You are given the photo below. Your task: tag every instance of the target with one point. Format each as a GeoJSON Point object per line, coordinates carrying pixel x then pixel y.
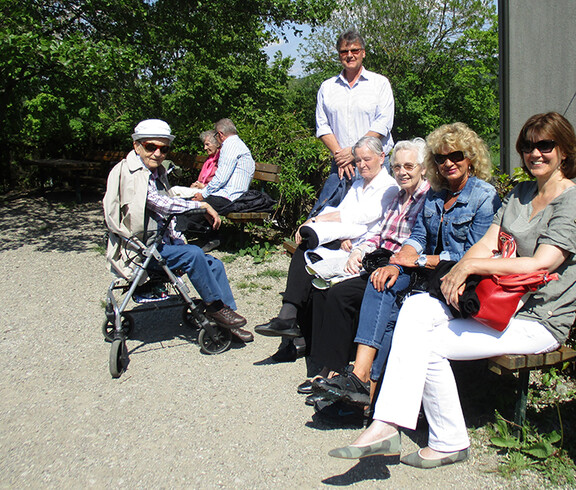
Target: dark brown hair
{"type": "Point", "coordinates": [555, 127]}
{"type": "Point", "coordinates": [349, 37]}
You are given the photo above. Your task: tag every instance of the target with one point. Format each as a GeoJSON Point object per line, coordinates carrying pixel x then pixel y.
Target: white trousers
{"type": "Point", "coordinates": [419, 372]}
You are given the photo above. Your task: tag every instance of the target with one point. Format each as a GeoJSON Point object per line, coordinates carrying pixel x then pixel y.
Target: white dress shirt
{"type": "Point", "coordinates": [350, 112]}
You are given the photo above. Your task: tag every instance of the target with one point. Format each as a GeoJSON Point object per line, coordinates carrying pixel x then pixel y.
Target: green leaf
{"type": "Point", "coordinates": [506, 442]}
{"type": "Point", "coordinates": [541, 450]}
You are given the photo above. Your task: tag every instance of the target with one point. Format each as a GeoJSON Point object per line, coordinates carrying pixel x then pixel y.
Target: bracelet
{"type": "Point", "coordinates": [399, 267]}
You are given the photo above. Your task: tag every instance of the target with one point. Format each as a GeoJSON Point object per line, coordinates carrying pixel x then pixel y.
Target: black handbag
{"type": "Point", "coordinates": [374, 260]}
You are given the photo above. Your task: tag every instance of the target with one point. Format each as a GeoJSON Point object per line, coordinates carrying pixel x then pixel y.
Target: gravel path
{"type": "Point", "coordinates": [176, 418]}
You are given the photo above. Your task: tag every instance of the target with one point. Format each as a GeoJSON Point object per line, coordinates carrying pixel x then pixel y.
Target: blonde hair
{"type": "Point", "coordinates": [457, 137]}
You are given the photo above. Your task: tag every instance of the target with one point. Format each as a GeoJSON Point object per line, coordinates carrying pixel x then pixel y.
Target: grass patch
{"type": "Point", "coordinates": [248, 285]}
{"type": "Point", "coordinates": [228, 259]}
{"type": "Point", "coordinates": [99, 249]}
{"type": "Point", "coordinates": [273, 273]}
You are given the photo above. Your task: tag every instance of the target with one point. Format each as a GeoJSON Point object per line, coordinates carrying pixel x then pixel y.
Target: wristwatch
{"type": "Point", "coordinates": [421, 261]}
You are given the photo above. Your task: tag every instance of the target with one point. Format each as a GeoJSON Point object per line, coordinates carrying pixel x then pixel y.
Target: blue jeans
{"type": "Point", "coordinates": [205, 272]}
{"type": "Point", "coordinates": [377, 319]}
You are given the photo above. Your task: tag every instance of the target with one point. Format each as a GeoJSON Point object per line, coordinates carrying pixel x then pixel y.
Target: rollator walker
{"type": "Point", "coordinates": [119, 321]}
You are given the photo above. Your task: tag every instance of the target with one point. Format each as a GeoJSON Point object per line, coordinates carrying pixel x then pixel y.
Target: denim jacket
{"type": "Point", "coordinates": [463, 224]}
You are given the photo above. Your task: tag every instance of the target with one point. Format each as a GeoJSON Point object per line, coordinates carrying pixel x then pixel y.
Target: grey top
{"type": "Point", "coordinates": [554, 304]}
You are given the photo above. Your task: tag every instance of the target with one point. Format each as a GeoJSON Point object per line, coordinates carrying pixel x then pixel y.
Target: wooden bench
{"type": "Point", "coordinates": [522, 365]}
{"type": "Point", "coordinates": [80, 171]}
{"type": "Point", "coordinates": [264, 172]}
{"type": "Point", "coordinates": [88, 170]}
{"type": "Point", "coordinates": [290, 246]}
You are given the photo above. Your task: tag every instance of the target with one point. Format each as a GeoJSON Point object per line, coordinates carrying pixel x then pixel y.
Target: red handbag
{"type": "Point", "coordinates": [500, 296]}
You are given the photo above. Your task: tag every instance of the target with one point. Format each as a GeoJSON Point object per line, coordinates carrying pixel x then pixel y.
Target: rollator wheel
{"type": "Point", "coordinates": [118, 358]}
{"type": "Point", "coordinates": [221, 343]}
{"type": "Point", "coordinates": [108, 328]}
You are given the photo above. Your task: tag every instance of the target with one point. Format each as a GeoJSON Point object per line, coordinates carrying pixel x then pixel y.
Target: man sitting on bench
{"type": "Point", "coordinates": [232, 178]}
{"type": "Point", "coordinates": [137, 199]}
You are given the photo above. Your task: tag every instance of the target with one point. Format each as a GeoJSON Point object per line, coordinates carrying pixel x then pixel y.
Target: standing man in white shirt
{"type": "Point", "coordinates": [354, 104]}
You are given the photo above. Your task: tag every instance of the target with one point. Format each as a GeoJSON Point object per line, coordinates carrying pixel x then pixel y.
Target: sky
{"type": "Point", "coordinates": [290, 48]}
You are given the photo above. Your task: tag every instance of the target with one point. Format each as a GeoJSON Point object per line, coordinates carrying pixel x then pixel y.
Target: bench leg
{"type": "Point", "coordinates": [521, 401]}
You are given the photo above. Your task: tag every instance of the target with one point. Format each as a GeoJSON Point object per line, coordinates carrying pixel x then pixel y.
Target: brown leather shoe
{"type": "Point", "coordinates": [227, 318]}
{"type": "Point", "coordinates": [244, 335]}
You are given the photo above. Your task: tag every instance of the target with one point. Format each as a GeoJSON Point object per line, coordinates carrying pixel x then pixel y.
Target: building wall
{"type": "Point", "coordinates": [537, 65]}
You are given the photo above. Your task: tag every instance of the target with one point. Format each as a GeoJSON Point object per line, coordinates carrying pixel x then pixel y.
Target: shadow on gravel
{"type": "Point", "coordinates": [370, 468]}
{"type": "Point", "coordinates": [52, 222]}
{"type": "Point", "coordinates": [163, 328]}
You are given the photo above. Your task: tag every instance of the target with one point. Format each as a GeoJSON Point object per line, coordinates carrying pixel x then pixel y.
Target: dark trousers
{"type": "Point", "coordinates": [199, 223]}
{"type": "Point", "coordinates": [298, 289]}
{"type": "Point", "coordinates": [334, 316]}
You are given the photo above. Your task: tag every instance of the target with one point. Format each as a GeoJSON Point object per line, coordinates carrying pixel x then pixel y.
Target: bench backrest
{"type": "Point", "coordinates": [264, 171]}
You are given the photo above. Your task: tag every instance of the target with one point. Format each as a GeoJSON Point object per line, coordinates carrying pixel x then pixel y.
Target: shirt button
{"type": "Point", "coordinates": [549, 313]}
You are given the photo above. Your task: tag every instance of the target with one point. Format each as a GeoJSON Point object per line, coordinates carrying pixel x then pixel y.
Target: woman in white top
{"type": "Point", "coordinates": [363, 206]}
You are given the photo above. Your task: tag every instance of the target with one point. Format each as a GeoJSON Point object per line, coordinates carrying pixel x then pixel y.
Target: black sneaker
{"type": "Point", "coordinates": [346, 387]}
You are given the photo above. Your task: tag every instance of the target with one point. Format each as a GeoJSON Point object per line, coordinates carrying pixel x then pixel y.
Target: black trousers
{"type": "Point", "coordinates": [199, 223]}
{"type": "Point", "coordinates": [335, 321]}
{"type": "Point", "coordinates": [298, 290]}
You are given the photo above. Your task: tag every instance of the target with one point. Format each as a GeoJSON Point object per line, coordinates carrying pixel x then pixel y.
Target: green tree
{"type": "Point", "coordinates": [77, 73]}
{"type": "Point", "coordinates": [441, 57]}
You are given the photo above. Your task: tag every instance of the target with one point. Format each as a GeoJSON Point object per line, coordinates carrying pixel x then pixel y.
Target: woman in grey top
{"type": "Point", "coordinates": [540, 216]}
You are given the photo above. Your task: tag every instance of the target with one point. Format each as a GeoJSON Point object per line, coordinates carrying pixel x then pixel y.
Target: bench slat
{"type": "Point", "coordinates": [266, 176]}
{"type": "Point", "coordinates": [515, 362]}
{"type": "Point", "coordinates": [290, 246]}
{"type": "Point", "coordinates": [65, 164]}
{"type": "Point", "coordinates": [246, 217]}
{"type": "Point", "coordinates": [534, 360]}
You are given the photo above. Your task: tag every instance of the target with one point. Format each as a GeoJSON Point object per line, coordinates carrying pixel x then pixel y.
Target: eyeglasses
{"type": "Point", "coordinates": [353, 52]}
{"type": "Point", "coordinates": [454, 157]}
{"type": "Point", "coordinates": [543, 146]}
{"type": "Point", "coordinates": [151, 148]}
{"type": "Point", "coordinates": [407, 166]}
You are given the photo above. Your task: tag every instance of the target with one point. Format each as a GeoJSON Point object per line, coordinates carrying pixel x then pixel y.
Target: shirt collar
{"type": "Point", "coordinates": [382, 175]}
{"type": "Point", "coordinates": [422, 189]}
{"type": "Point", "coordinates": [364, 75]}
{"type": "Point", "coordinates": [418, 193]}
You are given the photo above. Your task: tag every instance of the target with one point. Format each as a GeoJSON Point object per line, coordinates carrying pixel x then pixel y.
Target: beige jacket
{"type": "Point", "coordinates": [125, 213]}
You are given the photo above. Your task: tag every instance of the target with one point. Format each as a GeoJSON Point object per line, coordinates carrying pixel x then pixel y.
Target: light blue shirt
{"type": "Point", "coordinates": [350, 112]}
{"type": "Point", "coordinates": [235, 170]}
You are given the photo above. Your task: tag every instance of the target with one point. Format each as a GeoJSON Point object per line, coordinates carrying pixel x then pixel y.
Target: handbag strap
{"type": "Point", "coordinates": [531, 279]}
{"type": "Point", "coordinates": [506, 245]}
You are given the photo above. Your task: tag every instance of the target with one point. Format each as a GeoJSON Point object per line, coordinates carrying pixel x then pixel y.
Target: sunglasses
{"type": "Point", "coordinates": [151, 148]}
{"type": "Point", "coordinates": [353, 52]}
{"type": "Point", "coordinates": [407, 166]}
{"type": "Point", "coordinates": [543, 146]}
{"type": "Point", "coordinates": [454, 157]}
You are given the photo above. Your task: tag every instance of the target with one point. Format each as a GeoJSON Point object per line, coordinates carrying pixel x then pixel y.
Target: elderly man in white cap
{"type": "Point", "coordinates": [137, 199]}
